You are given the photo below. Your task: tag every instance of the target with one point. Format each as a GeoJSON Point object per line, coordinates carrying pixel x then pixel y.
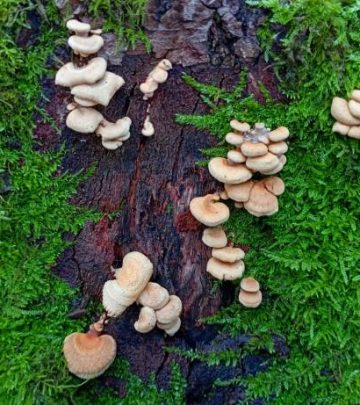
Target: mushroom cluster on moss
{"type": "Point", "coordinates": [91, 85]}
{"type": "Point", "coordinates": [250, 295]}
{"type": "Point", "coordinates": [347, 115]}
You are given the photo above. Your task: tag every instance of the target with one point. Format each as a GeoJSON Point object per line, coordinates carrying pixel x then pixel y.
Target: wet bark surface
{"type": "Point", "coordinates": [144, 188]}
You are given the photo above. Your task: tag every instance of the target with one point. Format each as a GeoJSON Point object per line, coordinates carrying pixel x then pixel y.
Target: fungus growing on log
{"type": "Point", "coordinates": [214, 237]}
{"type": "Point", "coordinates": [154, 296]}
{"type": "Point", "coordinates": [146, 321]}
{"type": "Point", "coordinates": [157, 76]}
{"type": "Point", "coordinates": [347, 115]}
{"type": "Point", "coordinates": [250, 295]}
{"type": "Point", "coordinates": [84, 120]}
{"type": "Point", "coordinates": [208, 210]}
{"type": "Point", "coordinates": [171, 311]}
{"type": "Point", "coordinates": [85, 46]}
{"type": "Point", "coordinates": [225, 270]}
{"type": "Point", "coordinates": [148, 128]}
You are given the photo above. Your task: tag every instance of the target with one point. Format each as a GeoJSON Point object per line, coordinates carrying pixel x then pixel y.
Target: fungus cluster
{"type": "Point", "coordinates": [250, 295]}
{"type": "Point", "coordinates": [91, 85]}
{"type": "Point", "coordinates": [347, 115]}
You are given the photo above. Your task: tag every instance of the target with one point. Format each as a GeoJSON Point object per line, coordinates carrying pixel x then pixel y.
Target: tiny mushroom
{"type": "Point", "coordinates": [225, 270]}
{"type": "Point", "coordinates": [250, 149]}
{"type": "Point", "coordinates": [279, 134]}
{"type": "Point", "coordinates": [80, 28]}
{"type": "Point", "coordinates": [341, 112]}
{"type": "Point", "coordinates": [214, 237]}
{"type": "Point", "coordinates": [85, 46]}
{"type": "Point", "coordinates": [208, 210]}
{"type": "Point", "coordinates": [235, 156]}
{"type": "Point", "coordinates": [119, 130]}
{"type": "Point", "coordinates": [112, 299]}
{"type": "Point", "coordinates": [354, 132]}
{"type": "Point", "coordinates": [341, 128]}
{"type": "Point", "coordinates": [250, 295]}
{"type": "Point", "coordinates": [84, 120]}
{"type": "Point", "coordinates": [239, 192]}
{"type": "Point", "coordinates": [154, 296]}
{"type": "Point", "coordinates": [240, 126]}
{"type": "Point", "coordinates": [228, 254]}
{"type": "Point", "coordinates": [278, 148]}
{"type": "Point", "coordinates": [148, 128]}
{"type": "Point", "coordinates": [225, 172]}
{"type": "Point", "coordinates": [148, 88]}
{"type": "Point", "coordinates": [170, 328]}
{"type": "Point", "coordinates": [234, 139]}
{"type": "Point", "coordinates": [275, 185]}
{"type": "Point", "coordinates": [170, 311]}
{"type": "Point", "coordinates": [146, 321]}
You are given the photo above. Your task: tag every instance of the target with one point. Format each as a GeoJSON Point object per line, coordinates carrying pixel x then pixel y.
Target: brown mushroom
{"type": "Point", "coordinates": [240, 126]}
{"type": "Point", "coordinates": [250, 300]}
{"type": "Point", "coordinates": [279, 134]}
{"type": "Point", "coordinates": [234, 139]}
{"type": "Point", "coordinates": [275, 185]}
{"type": "Point", "coordinates": [249, 284]}
{"type": "Point", "coordinates": [208, 210]}
{"type": "Point", "coordinates": [278, 148]}
{"type": "Point", "coordinates": [236, 156]}
{"type": "Point", "coordinates": [340, 128]}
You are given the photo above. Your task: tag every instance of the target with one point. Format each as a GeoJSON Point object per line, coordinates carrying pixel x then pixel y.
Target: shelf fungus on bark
{"type": "Point", "coordinates": [89, 354]}
{"type": "Point", "coordinates": [85, 45]}
{"type": "Point", "coordinates": [214, 237]}
{"type": "Point", "coordinates": [148, 127]}
{"type": "Point", "coordinates": [223, 270]}
{"type": "Point", "coordinates": [347, 115]}
{"type": "Point", "coordinates": [154, 296]}
{"type": "Point", "coordinates": [146, 321]}
{"type": "Point", "coordinates": [114, 134]}
{"type": "Point", "coordinates": [209, 211]}
{"type": "Point", "coordinates": [157, 76]}
{"type": "Point", "coordinates": [250, 295]}
{"type": "Point", "coordinates": [84, 120]}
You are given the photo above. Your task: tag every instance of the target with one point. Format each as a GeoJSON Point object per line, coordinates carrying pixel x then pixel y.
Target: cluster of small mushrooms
{"type": "Point", "coordinates": [90, 354]}
{"type": "Point", "coordinates": [256, 150]}
{"type": "Point", "coordinates": [91, 85]}
{"type": "Point", "coordinates": [347, 115]}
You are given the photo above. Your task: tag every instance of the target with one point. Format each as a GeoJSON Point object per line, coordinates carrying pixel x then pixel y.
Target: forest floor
{"type": "Point", "coordinates": [306, 257]}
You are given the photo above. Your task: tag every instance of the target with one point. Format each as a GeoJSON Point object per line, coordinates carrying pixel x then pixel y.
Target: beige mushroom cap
{"type": "Point", "coordinates": [159, 75]}
{"type": "Point", "coordinates": [278, 148]}
{"type": "Point", "coordinates": [275, 185]}
{"type": "Point", "coordinates": [278, 168]}
{"type": "Point", "coordinates": [250, 300]}
{"type": "Point", "coordinates": [154, 296]}
{"type": "Point", "coordinates": [234, 139]}
{"type": "Point", "coordinates": [225, 271]}
{"type": "Point", "coordinates": [208, 210]}
{"type": "Point", "coordinates": [340, 111]}
{"type": "Point", "coordinates": [148, 128]}
{"type": "Point", "coordinates": [239, 192]}
{"type": "Point", "coordinates": [354, 107]}
{"type": "Point", "coordinates": [170, 311]}
{"type": "Point", "coordinates": [279, 134]}
{"type": "Point", "coordinates": [263, 163]}
{"type": "Point", "coordinates": [355, 95]}
{"type": "Point", "coordinates": [240, 126]}
{"type": "Point", "coordinates": [84, 103]}
{"type": "Point", "coordinates": [149, 86]}
{"type": "Point", "coordinates": [112, 299]}
{"type": "Point", "coordinates": [80, 28]}
{"type": "Point", "coordinates": [228, 254]}
{"type": "Point", "coordinates": [146, 321]}
{"type": "Point", "coordinates": [170, 328]}
{"type": "Point", "coordinates": [354, 132]}
{"type": "Point", "coordinates": [84, 120]}
{"type": "Point", "coordinates": [165, 64]}
{"type": "Point", "coordinates": [85, 46]}
{"type": "Point", "coordinates": [87, 354]}
{"type": "Point", "coordinates": [214, 237]}
{"type": "Point", "coordinates": [261, 201]}
{"type": "Point", "coordinates": [340, 128]}
{"type": "Point", "coordinates": [250, 149]}
{"type": "Point", "coordinates": [249, 284]}
{"type": "Point", "coordinates": [225, 172]}
{"type": "Point", "coordinates": [69, 75]}
{"type": "Point", "coordinates": [113, 144]}
{"type": "Point", "coordinates": [114, 131]}
{"type": "Point", "coordinates": [236, 156]}
{"type": "Point", "coordinates": [100, 92]}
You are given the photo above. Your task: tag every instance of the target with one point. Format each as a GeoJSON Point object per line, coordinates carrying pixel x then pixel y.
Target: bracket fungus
{"type": "Point", "coordinates": [84, 120]}
{"type": "Point", "coordinates": [228, 254]}
{"type": "Point", "coordinates": [208, 210]}
{"type": "Point", "coordinates": [89, 354]}
{"type": "Point", "coordinates": [171, 311]}
{"type": "Point", "coordinates": [79, 28]}
{"type": "Point", "coordinates": [154, 296]}
{"type": "Point", "coordinates": [170, 328]}
{"type": "Point", "coordinates": [146, 321]}
{"type": "Point", "coordinates": [228, 172]}
{"type": "Point", "coordinates": [157, 76]}
{"type": "Point", "coordinates": [347, 115]}
{"type": "Point", "coordinates": [114, 134]}
{"type": "Point", "coordinates": [85, 46]}
{"type": "Point", "coordinates": [214, 237]}
{"type": "Point", "coordinates": [225, 270]}
{"type": "Point", "coordinates": [250, 295]}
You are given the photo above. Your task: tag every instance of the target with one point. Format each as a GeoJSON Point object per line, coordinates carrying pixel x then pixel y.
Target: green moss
{"type": "Point", "coordinates": [307, 256]}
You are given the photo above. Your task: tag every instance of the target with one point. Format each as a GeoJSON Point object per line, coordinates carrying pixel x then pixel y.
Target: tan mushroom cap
{"type": "Point", "coordinates": [225, 271]}
{"type": "Point", "coordinates": [170, 328]}
{"type": "Point", "coordinates": [170, 311]}
{"type": "Point", "coordinates": [278, 148]}
{"type": "Point", "coordinates": [80, 28]}
{"type": "Point", "coordinates": [236, 156]}
{"type": "Point", "coordinates": [148, 128]}
{"type": "Point", "coordinates": [251, 149]}
{"type": "Point", "coordinates": [154, 296]}
{"type": "Point", "coordinates": [354, 107]}
{"type": "Point", "coordinates": [225, 172]}
{"type": "Point", "coordinates": [159, 75]}
{"type": "Point", "coordinates": [149, 86]}
{"type": "Point", "coordinates": [228, 254]}
{"type": "Point", "coordinates": [84, 103]}
{"type": "Point", "coordinates": [208, 210]}
{"type": "Point", "coordinates": [278, 168]}
{"type": "Point", "coordinates": [84, 120]}
{"type": "Point", "coordinates": [146, 321]}
{"type": "Point", "coordinates": [354, 132]}
{"type": "Point", "coordinates": [113, 144]}
{"type": "Point", "coordinates": [165, 64]}
{"type": "Point", "coordinates": [279, 134]}
{"type": "Point", "coordinates": [69, 75]}
{"type": "Point", "coordinates": [263, 163]}
{"type": "Point", "coordinates": [340, 128]}
{"type": "Point", "coordinates": [261, 201]}
{"type": "Point", "coordinates": [114, 131]}
{"type": "Point", "coordinates": [112, 299]}
{"type": "Point", "coordinates": [250, 300]}
{"type": "Point", "coordinates": [239, 192]}
{"type": "Point", "coordinates": [249, 284]}
{"type": "Point", "coordinates": [340, 111]}
{"type": "Point", "coordinates": [85, 46]}
{"type": "Point", "coordinates": [275, 185]}
{"type": "Point", "coordinates": [240, 126]}
{"type": "Point", "coordinates": [355, 95]}
{"type": "Point", "coordinates": [234, 139]}
{"type": "Point", "coordinates": [87, 354]}
{"type": "Point", "coordinates": [223, 195]}
{"type": "Point", "coordinates": [100, 92]}
{"type": "Point", "coordinates": [214, 237]}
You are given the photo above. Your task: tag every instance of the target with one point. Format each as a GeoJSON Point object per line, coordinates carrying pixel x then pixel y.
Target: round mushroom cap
{"type": "Point", "coordinates": [85, 46]}
{"type": "Point", "coordinates": [279, 134]}
{"type": "Point", "coordinates": [261, 201]}
{"type": "Point", "coordinates": [214, 237]}
{"type": "Point", "coordinates": [250, 300]}
{"type": "Point", "coordinates": [146, 321]}
{"type": "Point", "coordinates": [165, 64]}
{"type": "Point", "coordinates": [149, 86]}
{"type": "Point", "coordinates": [249, 284]}
{"type": "Point", "coordinates": [84, 103]}
{"type": "Point", "coordinates": [354, 107]}
{"type": "Point", "coordinates": [110, 131]}
{"type": "Point", "coordinates": [340, 128]}
{"type": "Point", "coordinates": [148, 128]}
{"type": "Point", "coordinates": [70, 75]}
{"type": "Point", "coordinates": [341, 112]}
{"type": "Point", "coordinates": [84, 120]}
{"type": "Point", "coordinates": [354, 132]}
{"type": "Point", "coordinates": [240, 126]}
{"type": "Point", "coordinates": [278, 148]}
{"type": "Point", "coordinates": [225, 172]}
{"type": "Point", "coordinates": [159, 75]}
{"type": "Point", "coordinates": [113, 299]}
{"type": "Point", "coordinates": [80, 28]}
{"type": "Point", "coordinates": [102, 91]}
{"type": "Point", "coordinates": [225, 271]}
{"type": "Point", "coordinates": [228, 254]}
{"type": "Point", "coordinates": [355, 95]}
{"type": "Point", "coordinates": [113, 144]}
{"type": "Point", "coordinates": [275, 185]}
{"type": "Point", "coordinates": [251, 149]}
{"type": "Point", "coordinates": [278, 168]}
{"type": "Point", "coordinates": [236, 156]}
{"type": "Point", "coordinates": [239, 192]}
{"type": "Point", "coordinates": [171, 328]}
{"type": "Point", "coordinates": [87, 354]}
{"type": "Point", "coordinates": [234, 139]}
{"type": "Point", "coordinates": [208, 210]}
{"type": "Point", "coordinates": [170, 311]}
{"type": "Point", "coordinates": [263, 163]}
{"type": "Point", "coordinates": [154, 296]}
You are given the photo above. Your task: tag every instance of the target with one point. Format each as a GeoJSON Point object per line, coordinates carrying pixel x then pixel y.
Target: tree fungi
{"type": "Point", "coordinates": [347, 115]}
{"type": "Point", "coordinates": [223, 270]}
{"type": "Point", "coordinates": [157, 76]}
{"type": "Point", "coordinates": [208, 210]}
{"type": "Point", "coordinates": [154, 296]}
{"type": "Point", "coordinates": [214, 237]}
{"type": "Point", "coordinates": [146, 321]}
{"type": "Point", "coordinates": [250, 295]}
